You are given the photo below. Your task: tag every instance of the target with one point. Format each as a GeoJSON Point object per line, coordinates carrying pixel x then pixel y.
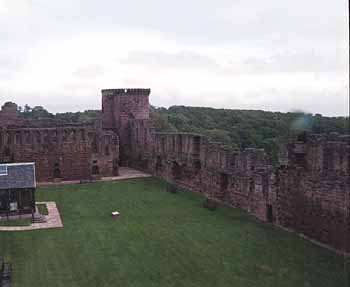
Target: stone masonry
{"type": "Point", "coordinates": [61, 152]}
{"type": "Point", "coordinates": [309, 192]}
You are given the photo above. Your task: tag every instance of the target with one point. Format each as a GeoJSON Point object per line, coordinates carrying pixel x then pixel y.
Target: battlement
{"type": "Point", "coordinates": [126, 92]}
{"type": "Point", "coordinates": [320, 154]}
{"type": "Point", "coordinates": [68, 153]}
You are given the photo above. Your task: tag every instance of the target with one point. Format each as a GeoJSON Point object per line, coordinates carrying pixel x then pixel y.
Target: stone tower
{"type": "Point", "coordinates": [9, 115]}
{"type": "Point", "coordinates": [119, 107]}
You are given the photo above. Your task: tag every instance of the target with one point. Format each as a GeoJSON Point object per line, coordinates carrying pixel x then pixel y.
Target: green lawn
{"type": "Point", "coordinates": [42, 209]}
{"type": "Point", "coordinates": [161, 239]}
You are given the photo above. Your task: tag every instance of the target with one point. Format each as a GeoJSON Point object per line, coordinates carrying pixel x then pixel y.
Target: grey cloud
{"type": "Point", "coordinates": [91, 71]}
{"type": "Point", "coordinates": [196, 21]}
{"type": "Point", "coordinates": [295, 62]}
{"type": "Point", "coordinates": [185, 59]}
{"type": "Point", "coordinates": [77, 100]}
{"type": "Point", "coordinates": [286, 37]}
{"type": "Point", "coordinates": [283, 62]}
{"type": "Point", "coordinates": [9, 65]}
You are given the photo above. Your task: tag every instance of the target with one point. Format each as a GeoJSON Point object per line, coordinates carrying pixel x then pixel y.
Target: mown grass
{"type": "Point", "coordinates": [160, 239]}
{"type": "Point", "coordinates": [42, 208]}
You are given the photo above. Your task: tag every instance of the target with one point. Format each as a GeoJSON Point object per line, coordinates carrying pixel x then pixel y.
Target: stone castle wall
{"type": "Point", "coordinates": [238, 178]}
{"type": "Point", "coordinates": [60, 153]}
{"type": "Point", "coordinates": [308, 193]}
{"type": "Point", "coordinates": [313, 195]}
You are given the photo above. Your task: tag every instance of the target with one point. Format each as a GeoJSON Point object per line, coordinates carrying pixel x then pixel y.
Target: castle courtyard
{"type": "Point", "coordinates": [160, 239]}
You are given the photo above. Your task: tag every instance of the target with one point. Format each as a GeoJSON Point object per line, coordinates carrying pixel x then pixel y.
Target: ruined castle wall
{"type": "Point", "coordinates": [237, 178]}
{"type": "Point", "coordinates": [308, 193]}
{"type": "Point", "coordinates": [250, 182]}
{"type": "Point", "coordinates": [61, 153]}
{"type": "Point", "coordinates": [313, 189]}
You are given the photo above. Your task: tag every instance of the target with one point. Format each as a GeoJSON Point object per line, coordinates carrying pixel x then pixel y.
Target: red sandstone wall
{"type": "Point", "coordinates": [121, 105]}
{"type": "Point", "coordinates": [9, 116]}
{"type": "Point", "coordinates": [119, 108]}
{"type": "Point", "coordinates": [312, 195]}
{"type": "Point", "coordinates": [308, 194]}
{"type": "Point", "coordinates": [66, 153]}
{"type": "Point", "coordinates": [238, 178]}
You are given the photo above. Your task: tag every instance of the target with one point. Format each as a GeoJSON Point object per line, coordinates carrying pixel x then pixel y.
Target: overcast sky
{"type": "Point", "coordinates": [278, 55]}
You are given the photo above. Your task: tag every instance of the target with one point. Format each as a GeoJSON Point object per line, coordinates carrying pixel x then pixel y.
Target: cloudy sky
{"type": "Point", "coordinates": [278, 55]}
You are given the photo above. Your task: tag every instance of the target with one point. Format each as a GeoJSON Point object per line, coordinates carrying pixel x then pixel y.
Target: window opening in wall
{"type": "Point", "coordinates": [176, 170]}
{"type": "Point", "coordinates": [18, 138]}
{"type": "Point", "coordinates": [251, 185]}
{"type": "Point", "coordinates": [197, 166]}
{"type": "Point", "coordinates": [38, 138]}
{"type": "Point", "coordinates": [27, 137]}
{"type": "Point", "coordinates": [82, 135]}
{"type": "Point", "coordinates": [159, 163]}
{"type": "Point", "coordinates": [8, 139]}
{"type": "Point", "coordinates": [269, 213]}
{"type": "Point", "coordinates": [95, 170]}
{"type": "Point", "coordinates": [57, 173]}
{"type": "Point", "coordinates": [116, 166]}
{"type": "Point", "coordinates": [223, 181]}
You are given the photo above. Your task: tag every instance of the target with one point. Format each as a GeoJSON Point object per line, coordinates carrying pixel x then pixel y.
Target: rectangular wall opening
{"type": "Point", "coordinates": [269, 213]}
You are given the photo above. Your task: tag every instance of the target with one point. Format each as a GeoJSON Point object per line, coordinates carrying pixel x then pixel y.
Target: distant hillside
{"type": "Point", "coordinates": [245, 128]}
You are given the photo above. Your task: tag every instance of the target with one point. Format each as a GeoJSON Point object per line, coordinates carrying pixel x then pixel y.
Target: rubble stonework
{"type": "Point", "coordinates": [313, 195]}
{"type": "Point", "coordinates": [9, 115]}
{"type": "Point", "coordinates": [118, 107]}
{"type": "Point", "coordinates": [60, 153]}
{"type": "Point", "coordinates": [307, 193]}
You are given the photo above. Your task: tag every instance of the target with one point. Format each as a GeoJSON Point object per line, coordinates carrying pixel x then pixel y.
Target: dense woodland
{"type": "Point", "coordinates": [235, 128]}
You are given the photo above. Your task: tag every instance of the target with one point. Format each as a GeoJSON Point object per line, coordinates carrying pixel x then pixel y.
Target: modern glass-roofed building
{"type": "Point", "coordinates": [17, 189]}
